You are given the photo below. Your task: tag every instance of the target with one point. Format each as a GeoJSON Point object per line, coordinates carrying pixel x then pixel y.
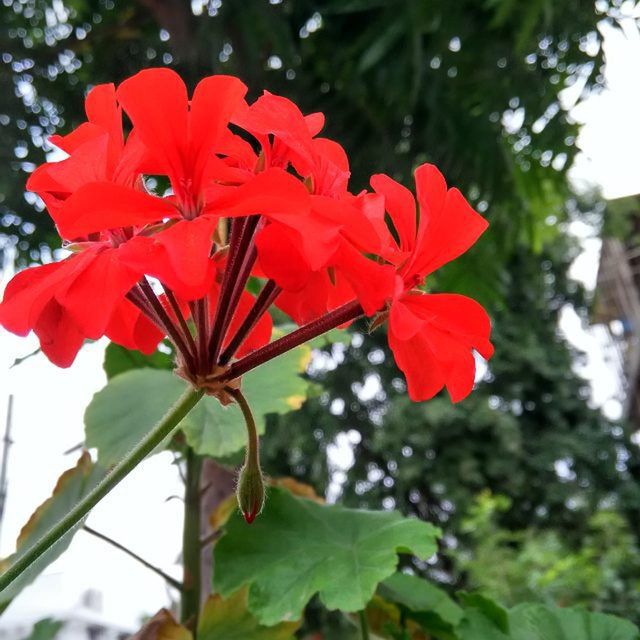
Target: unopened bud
{"type": "Point", "coordinates": [250, 491]}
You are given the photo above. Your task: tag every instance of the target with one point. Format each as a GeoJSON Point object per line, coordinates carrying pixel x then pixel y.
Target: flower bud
{"type": "Point", "coordinates": [250, 491]}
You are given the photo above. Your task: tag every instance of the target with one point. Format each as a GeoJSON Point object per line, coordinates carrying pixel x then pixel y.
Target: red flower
{"type": "Point", "coordinates": [181, 138]}
{"type": "Point", "coordinates": [80, 297]}
{"type": "Point", "coordinates": [328, 255]}
{"type": "Point", "coordinates": [432, 336]}
{"type": "Point", "coordinates": [83, 296]}
{"type": "Point", "coordinates": [334, 270]}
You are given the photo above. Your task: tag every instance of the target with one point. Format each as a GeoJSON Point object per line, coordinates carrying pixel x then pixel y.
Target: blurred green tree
{"type": "Point", "coordinates": [470, 85]}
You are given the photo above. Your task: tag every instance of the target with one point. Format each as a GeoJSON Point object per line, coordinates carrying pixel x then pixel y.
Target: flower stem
{"type": "Point", "coordinates": [160, 431]}
{"type": "Point", "coordinates": [239, 244]}
{"type": "Point", "coordinates": [267, 296]}
{"type": "Point", "coordinates": [173, 301]}
{"type": "Point", "coordinates": [169, 326]}
{"type": "Point", "coordinates": [253, 440]}
{"type": "Point", "coordinates": [191, 548]}
{"type": "Point", "coordinates": [176, 584]}
{"type": "Point", "coordinates": [345, 313]}
{"type": "Point", "coordinates": [364, 625]}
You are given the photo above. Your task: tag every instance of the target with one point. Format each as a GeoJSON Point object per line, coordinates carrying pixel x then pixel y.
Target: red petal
{"type": "Point", "coordinates": [214, 101]}
{"type": "Point", "coordinates": [272, 193]}
{"type": "Point", "coordinates": [103, 205]}
{"type": "Point", "coordinates": [445, 328]}
{"type": "Point", "coordinates": [156, 101]}
{"type": "Point", "coordinates": [130, 328]}
{"type": "Point", "coordinates": [462, 317]}
{"type": "Point", "coordinates": [60, 339]}
{"type": "Point", "coordinates": [309, 303]}
{"type": "Point", "coordinates": [448, 224]}
{"type": "Point", "coordinates": [403, 322]}
{"type": "Point", "coordinates": [30, 291]}
{"type": "Point", "coordinates": [314, 122]}
{"type": "Point", "coordinates": [456, 361]}
{"type": "Point", "coordinates": [103, 110]}
{"type": "Point", "coordinates": [94, 294]}
{"type": "Point", "coordinates": [372, 282]}
{"type": "Point", "coordinates": [281, 258]}
{"type": "Point", "coordinates": [422, 371]}
{"type": "Point", "coordinates": [177, 256]}
{"type": "Point", "coordinates": [72, 141]}
{"type": "Point", "coordinates": [400, 204]}
{"type": "Point", "coordinates": [88, 164]}
{"type": "Point", "coordinates": [271, 114]}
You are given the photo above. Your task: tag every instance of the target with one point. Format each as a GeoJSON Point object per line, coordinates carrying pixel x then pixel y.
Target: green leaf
{"type": "Point", "coordinates": [541, 622]}
{"type": "Point", "coordinates": [298, 548]}
{"type": "Point", "coordinates": [483, 619]}
{"type": "Point", "coordinates": [121, 413]}
{"type": "Point", "coordinates": [274, 387]}
{"type": "Point", "coordinates": [46, 629]}
{"type": "Point", "coordinates": [487, 607]}
{"type": "Point", "coordinates": [117, 360]}
{"type": "Point", "coordinates": [476, 626]}
{"type": "Point", "coordinates": [72, 485]}
{"type": "Point", "coordinates": [231, 620]}
{"type": "Point", "coordinates": [428, 605]}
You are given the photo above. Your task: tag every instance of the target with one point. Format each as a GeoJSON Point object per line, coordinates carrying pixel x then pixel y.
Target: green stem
{"type": "Point", "coordinates": [364, 626]}
{"type": "Point", "coordinates": [157, 570]}
{"type": "Point", "coordinates": [252, 456]}
{"type": "Point", "coordinates": [191, 548]}
{"type": "Point", "coordinates": [162, 430]}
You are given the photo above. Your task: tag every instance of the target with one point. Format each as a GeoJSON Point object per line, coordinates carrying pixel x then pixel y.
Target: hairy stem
{"type": "Point", "coordinates": [172, 331]}
{"type": "Point", "coordinates": [190, 603]}
{"type": "Point", "coordinates": [364, 625]}
{"type": "Point", "coordinates": [267, 296]}
{"type": "Point", "coordinates": [238, 248]}
{"type": "Point", "coordinates": [181, 320]}
{"type": "Point", "coordinates": [164, 428]}
{"type": "Point", "coordinates": [345, 313]}
{"type": "Point", "coordinates": [172, 581]}
{"type": "Point", "coordinates": [253, 440]}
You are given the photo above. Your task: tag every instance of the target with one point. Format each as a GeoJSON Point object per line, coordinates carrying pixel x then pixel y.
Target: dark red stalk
{"type": "Point", "coordinates": [345, 313]}
{"type": "Point", "coordinates": [172, 330]}
{"type": "Point", "coordinates": [238, 248]}
{"type": "Point", "coordinates": [238, 288]}
{"type": "Point", "coordinates": [267, 297]}
{"type": "Point", "coordinates": [202, 314]}
{"type": "Point", "coordinates": [137, 298]}
{"type": "Point", "coordinates": [186, 332]}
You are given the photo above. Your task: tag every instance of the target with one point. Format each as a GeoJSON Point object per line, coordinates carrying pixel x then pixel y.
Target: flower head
{"type": "Point", "coordinates": [166, 225]}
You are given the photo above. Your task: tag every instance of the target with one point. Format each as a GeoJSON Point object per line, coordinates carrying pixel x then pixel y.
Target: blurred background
{"type": "Point", "coordinates": [531, 109]}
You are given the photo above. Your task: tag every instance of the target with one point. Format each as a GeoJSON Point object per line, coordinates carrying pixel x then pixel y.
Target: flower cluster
{"type": "Point", "coordinates": [166, 225]}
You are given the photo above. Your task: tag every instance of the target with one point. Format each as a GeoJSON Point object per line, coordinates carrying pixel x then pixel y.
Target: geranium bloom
{"type": "Point", "coordinates": [83, 296]}
{"type": "Point", "coordinates": [432, 336]}
{"type": "Point", "coordinates": [241, 191]}
{"type": "Point", "coordinates": [314, 283]}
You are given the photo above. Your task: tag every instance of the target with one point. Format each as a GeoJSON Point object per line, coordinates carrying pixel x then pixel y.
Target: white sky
{"type": "Point", "coordinates": [49, 402]}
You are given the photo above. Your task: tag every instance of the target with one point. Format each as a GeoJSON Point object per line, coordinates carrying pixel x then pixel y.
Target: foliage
{"type": "Point", "coordinates": [46, 629]}
{"type": "Point", "coordinates": [72, 485]}
{"type": "Point", "coordinates": [422, 80]}
{"type": "Point", "coordinates": [527, 431]}
{"type": "Point", "coordinates": [133, 401]}
{"type": "Point", "coordinates": [221, 618]}
{"type": "Point", "coordinates": [298, 548]}
{"type": "Point", "coordinates": [516, 566]}
{"type": "Point", "coordinates": [230, 619]}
